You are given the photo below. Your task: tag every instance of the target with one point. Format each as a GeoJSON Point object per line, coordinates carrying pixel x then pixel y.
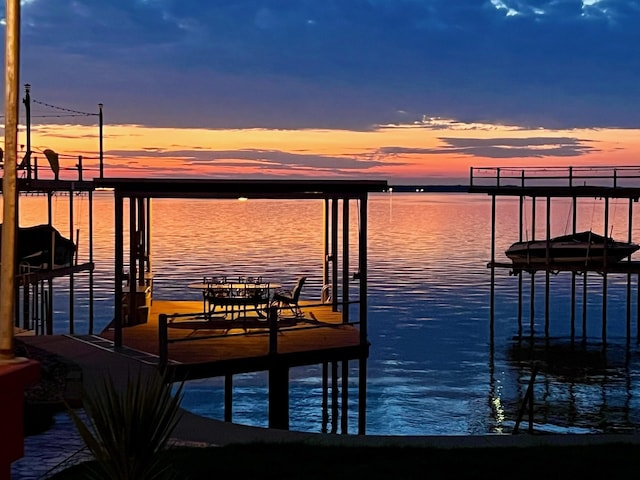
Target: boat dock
{"type": "Point", "coordinates": [546, 184]}
{"type": "Point", "coordinates": [177, 336]}
{"type": "Point", "coordinates": [197, 348]}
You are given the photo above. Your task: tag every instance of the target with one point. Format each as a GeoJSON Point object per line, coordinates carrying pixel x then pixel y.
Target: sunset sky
{"type": "Point", "coordinates": [409, 91]}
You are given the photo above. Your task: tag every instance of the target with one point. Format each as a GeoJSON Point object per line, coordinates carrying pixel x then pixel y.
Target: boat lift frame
{"type": "Point", "coordinates": [561, 182]}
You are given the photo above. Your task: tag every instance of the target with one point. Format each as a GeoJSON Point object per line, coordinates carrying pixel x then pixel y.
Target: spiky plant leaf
{"type": "Point", "coordinates": [128, 429]}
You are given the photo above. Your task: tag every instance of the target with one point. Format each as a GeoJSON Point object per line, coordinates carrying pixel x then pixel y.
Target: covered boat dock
{"type": "Point", "coordinates": [176, 335]}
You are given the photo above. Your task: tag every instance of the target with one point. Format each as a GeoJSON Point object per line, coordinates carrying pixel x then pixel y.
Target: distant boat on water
{"type": "Point", "coordinates": [35, 246]}
{"type": "Point", "coordinates": [584, 248]}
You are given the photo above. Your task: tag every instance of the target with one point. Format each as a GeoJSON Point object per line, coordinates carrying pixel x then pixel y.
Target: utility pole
{"type": "Point", "coordinates": [9, 182]}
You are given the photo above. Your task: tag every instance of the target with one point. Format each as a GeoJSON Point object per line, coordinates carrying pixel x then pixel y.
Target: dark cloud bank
{"type": "Point", "coordinates": [345, 64]}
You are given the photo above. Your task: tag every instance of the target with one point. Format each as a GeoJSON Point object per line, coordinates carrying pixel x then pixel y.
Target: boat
{"type": "Point", "coordinates": [582, 248]}
{"type": "Point", "coordinates": [35, 245]}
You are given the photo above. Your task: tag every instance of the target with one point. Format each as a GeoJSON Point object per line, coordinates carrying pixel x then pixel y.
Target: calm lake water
{"type": "Point", "coordinates": [434, 367]}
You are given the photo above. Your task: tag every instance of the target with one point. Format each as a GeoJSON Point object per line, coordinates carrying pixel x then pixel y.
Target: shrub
{"type": "Point", "coordinates": [128, 429]}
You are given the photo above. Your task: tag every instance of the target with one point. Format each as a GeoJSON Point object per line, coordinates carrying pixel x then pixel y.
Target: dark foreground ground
{"type": "Point", "coordinates": [61, 380]}
{"type": "Point", "coordinates": [308, 462]}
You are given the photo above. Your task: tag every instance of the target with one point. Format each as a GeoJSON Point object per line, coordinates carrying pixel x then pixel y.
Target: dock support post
{"type": "Point", "coordinates": [119, 268]}
{"type": "Point", "coordinates": [163, 340]}
{"type": "Point", "coordinates": [325, 396]}
{"type": "Point", "coordinates": [71, 276]}
{"type": "Point", "coordinates": [91, 262]}
{"type": "Point", "coordinates": [604, 274]}
{"type": "Point", "coordinates": [334, 254]}
{"type": "Point", "coordinates": [573, 273]}
{"type": "Point", "coordinates": [584, 306]}
{"type": "Point", "coordinates": [278, 396]}
{"type": "Point", "coordinates": [345, 260]}
{"type": "Point", "coordinates": [228, 397]}
{"type": "Point", "coordinates": [272, 320]}
{"type": "Point", "coordinates": [25, 306]}
{"type": "Point", "coordinates": [520, 238]}
{"type": "Point", "coordinates": [532, 299]}
{"type": "Point", "coordinates": [50, 307]}
{"type": "Point", "coordinates": [362, 396]}
{"type": "Point", "coordinates": [344, 420]}
{"type": "Point", "coordinates": [278, 378]}
{"type": "Point", "coordinates": [364, 271]}
{"type": "Point", "coordinates": [547, 276]}
{"type": "Point", "coordinates": [493, 270]}
{"type": "Point", "coordinates": [334, 397]}
{"type": "Point", "coordinates": [629, 239]}
{"type": "Point", "coordinates": [532, 305]}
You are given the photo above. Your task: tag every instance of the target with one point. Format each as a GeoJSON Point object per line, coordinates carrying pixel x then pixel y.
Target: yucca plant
{"type": "Point", "coordinates": [128, 429]}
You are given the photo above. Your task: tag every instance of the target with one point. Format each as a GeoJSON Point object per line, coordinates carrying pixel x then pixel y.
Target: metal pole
{"type": "Point", "coordinates": [27, 110]}
{"type": "Point", "coordinates": [101, 146]}
{"type": "Point", "coordinates": [9, 184]}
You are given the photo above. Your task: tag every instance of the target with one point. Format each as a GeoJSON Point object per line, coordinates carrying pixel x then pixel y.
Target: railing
{"type": "Point", "coordinates": [70, 168]}
{"type": "Point", "coordinates": [600, 176]}
{"type": "Point", "coordinates": [272, 324]}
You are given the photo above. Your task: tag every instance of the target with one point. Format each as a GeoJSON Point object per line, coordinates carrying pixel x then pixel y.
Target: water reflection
{"type": "Point", "coordinates": [434, 368]}
{"type": "Point", "coordinates": [579, 386]}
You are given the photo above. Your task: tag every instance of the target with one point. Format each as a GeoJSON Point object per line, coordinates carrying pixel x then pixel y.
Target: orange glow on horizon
{"type": "Point", "coordinates": [419, 152]}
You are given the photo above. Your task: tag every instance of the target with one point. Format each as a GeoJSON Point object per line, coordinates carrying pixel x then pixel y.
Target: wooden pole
{"type": "Point", "coordinates": [9, 184]}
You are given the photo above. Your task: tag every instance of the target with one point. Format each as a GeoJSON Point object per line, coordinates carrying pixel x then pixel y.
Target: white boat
{"type": "Point", "coordinates": [586, 248]}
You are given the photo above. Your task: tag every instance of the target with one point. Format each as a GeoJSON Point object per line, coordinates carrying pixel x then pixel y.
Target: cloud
{"type": "Point", "coordinates": [338, 63]}
{"type": "Point", "coordinates": [531, 147]}
{"type": "Point", "coordinates": [256, 159]}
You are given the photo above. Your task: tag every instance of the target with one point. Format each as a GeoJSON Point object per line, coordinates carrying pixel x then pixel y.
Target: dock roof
{"type": "Point", "coordinates": [227, 188]}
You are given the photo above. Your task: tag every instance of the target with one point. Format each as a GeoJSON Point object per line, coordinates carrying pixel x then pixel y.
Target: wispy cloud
{"type": "Point", "coordinates": [532, 147]}
{"type": "Point", "coordinates": [256, 159]}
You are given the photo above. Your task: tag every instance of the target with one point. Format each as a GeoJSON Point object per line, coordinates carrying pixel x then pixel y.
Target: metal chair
{"type": "Point", "coordinates": [290, 298]}
{"type": "Point", "coordinates": [215, 293]}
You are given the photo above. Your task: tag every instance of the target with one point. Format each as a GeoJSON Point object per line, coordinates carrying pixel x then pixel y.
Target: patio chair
{"type": "Point", "coordinates": [290, 298]}
{"type": "Point", "coordinates": [215, 294]}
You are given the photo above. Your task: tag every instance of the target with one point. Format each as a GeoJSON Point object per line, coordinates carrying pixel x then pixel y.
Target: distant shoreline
{"type": "Point", "coordinates": [429, 188]}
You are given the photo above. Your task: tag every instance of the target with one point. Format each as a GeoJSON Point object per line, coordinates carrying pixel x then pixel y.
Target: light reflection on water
{"type": "Point", "coordinates": [431, 370]}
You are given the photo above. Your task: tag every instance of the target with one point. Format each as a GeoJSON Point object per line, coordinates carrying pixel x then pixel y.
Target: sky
{"type": "Point", "coordinates": [408, 91]}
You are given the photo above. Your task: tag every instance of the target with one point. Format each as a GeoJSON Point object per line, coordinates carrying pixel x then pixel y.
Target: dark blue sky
{"type": "Point", "coordinates": [337, 63]}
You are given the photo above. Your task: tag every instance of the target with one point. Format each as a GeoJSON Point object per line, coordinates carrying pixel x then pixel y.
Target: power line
{"type": "Point", "coordinates": [62, 115]}
{"type": "Point", "coordinates": [64, 109]}
{"type": "Point", "coordinates": [55, 116]}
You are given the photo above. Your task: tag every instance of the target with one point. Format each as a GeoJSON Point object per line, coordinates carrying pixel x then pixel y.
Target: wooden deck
{"type": "Point", "coordinates": [199, 349]}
